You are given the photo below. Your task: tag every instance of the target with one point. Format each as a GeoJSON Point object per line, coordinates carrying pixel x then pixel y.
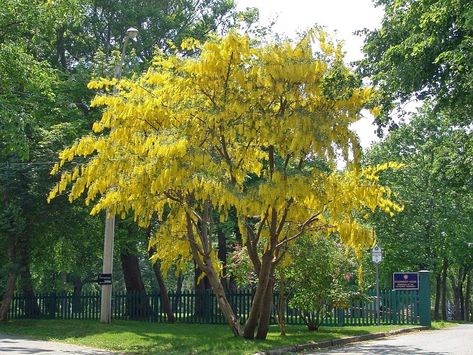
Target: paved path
{"type": "Point", "coordinates": [456, 340]}
{"type": "Point", "coordinates": [12, 345]}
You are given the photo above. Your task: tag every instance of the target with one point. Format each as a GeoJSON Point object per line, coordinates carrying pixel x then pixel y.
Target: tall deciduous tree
{"type": "Point", "coordinates": [238, 126]}
{"type": "Point", "coordinates": [27, 103]}
{"type": "Point", "coordinates": [424, 48]}
{"type": "Point", "coordinates": [435, 185]}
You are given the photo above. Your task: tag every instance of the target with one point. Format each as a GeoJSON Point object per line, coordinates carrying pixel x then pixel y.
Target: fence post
{"type": "Point", "coordinates": [341, 317]}
{"type": "Point", "coordinates": [394, 298]}
{"type": "Point", "coordinates": [52, 305]}
{"type": "Point", "coordinates": [424, 298]}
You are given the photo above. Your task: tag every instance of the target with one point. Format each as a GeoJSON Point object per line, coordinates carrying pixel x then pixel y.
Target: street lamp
{"type": "Point", "coordinates": [130, 33]}
{"type": "Point", "coordinates": [107, 268]}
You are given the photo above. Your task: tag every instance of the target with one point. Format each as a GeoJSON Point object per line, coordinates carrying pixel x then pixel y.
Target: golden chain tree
{"type": "Point", "coordinates": [238, 126]}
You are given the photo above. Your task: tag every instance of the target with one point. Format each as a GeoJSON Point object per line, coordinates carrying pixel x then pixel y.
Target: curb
{"type": "Point", "coordinates": [338, 342]}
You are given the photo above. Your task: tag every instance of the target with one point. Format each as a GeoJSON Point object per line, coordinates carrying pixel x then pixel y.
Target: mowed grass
{"type": "Point", "coordinates": [156, 338]}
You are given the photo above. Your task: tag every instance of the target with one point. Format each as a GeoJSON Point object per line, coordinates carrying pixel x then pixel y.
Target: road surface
{"type": "Point", "coordinates": [456, 340]}
{"type": "Point", "coordinates": [12, 345]}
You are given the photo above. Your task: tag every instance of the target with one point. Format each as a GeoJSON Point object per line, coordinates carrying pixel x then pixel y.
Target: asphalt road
{"type": "Point", "coordinates": [11, 345]}
{"type": "Point", "coordinates": [456, 340]}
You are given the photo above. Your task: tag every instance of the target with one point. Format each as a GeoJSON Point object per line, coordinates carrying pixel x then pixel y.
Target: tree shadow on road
{"type": "Point", "coordinates": [382, 349]}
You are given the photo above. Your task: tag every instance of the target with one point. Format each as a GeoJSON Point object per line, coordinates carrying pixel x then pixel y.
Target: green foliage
{"type": "Point", "coordinates": [424, 48]}
{"type": "Point", "coordinates": [319, 278]}
{"type": "Point", "coordinates": [159, 23]}
{"type": "Point", "coordinates": [49, 50]}
{"type": "Point", "coordinates": [436, 189]}
{"type": "Point", "coordinates": [26, 91]}
{"type": "Point", "coordinates": [240, 267]}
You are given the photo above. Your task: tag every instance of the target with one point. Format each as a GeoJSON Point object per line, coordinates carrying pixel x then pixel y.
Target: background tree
{"type": "Point", "coordinates": [49, 51]}
{"type": "Point", "coordinates": [29, 104]}
{"type": "Point", "coordinates": [424, 49]}
{"type": "Point", "coordinates": [435, 186]}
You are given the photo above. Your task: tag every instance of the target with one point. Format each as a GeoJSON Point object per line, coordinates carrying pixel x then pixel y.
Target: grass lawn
{"type": "Point", "coordinates": [157, 338]}
{"type": "Point", "coordinates": [442, 324]}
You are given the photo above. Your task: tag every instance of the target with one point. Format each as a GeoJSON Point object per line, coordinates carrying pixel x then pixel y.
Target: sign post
{"type": "Point", "coordinates": [377, 257]}
{"type": "Point", "coordinates": [424, 299]}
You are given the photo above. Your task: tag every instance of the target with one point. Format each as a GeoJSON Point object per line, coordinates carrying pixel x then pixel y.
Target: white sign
{"type": "Point", "coordinates": [376, 254]}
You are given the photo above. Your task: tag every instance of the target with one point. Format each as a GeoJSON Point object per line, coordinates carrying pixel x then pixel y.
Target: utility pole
{"type": "Point", "coordinates": [107, 269]}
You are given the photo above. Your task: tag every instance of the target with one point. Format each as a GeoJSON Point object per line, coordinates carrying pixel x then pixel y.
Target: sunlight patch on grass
{"type": "Point", "coordinates": [158, 338]}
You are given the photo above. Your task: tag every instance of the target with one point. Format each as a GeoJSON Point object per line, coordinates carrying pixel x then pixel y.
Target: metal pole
{"type": "Point", "coordinates": [107, 267]}
{"type": "Point", "coordinates": [106, 299]}
{"type": "Point", "coordinates": [377, 294]}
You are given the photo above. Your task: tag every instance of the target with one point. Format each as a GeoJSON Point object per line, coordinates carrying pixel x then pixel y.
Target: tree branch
{"type": "Point", "coordinates": [251, 246]}
{"type": "Point", "coordinates": [284, 216]}
{"type": "Point", "coordinates": [302, 227]}
{"type": "Point", "coordinates": [195, 248]}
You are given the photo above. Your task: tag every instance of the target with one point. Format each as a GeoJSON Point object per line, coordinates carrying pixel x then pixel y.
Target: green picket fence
{"type": "Point", "coordinates": [396, 307]}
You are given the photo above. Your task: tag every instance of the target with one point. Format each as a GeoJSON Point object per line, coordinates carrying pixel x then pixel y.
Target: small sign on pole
{"type": "Point", "coordinates": [376, 254]}
{"type": "Point", "coordinates": [104, 279]}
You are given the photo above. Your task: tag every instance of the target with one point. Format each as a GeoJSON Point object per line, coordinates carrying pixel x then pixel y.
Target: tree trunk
{"type": "Point", "coordinates": [232, 285]}
{"type": "Point", "coordinates": [137, 301]}
{"type": "Point", "coordinates": [31, 308]}
{"type": "Point", "coordinates": [462, 302]}
{"type": "Point", "coordinates": [444, 290]}
{"type": "Point", "coordinates": [76, 295]}
{"type": "Point", "coordinates": [163, 292]}
{"type": "Point", "coordinates": [60, 51]}
{"type": "Point", "coordinates": [312, 327]}
{"type": "Point", "coordinates": [202, 291]}
{"type": "Point", "coordinates": [11, 281]}
{"type": "Point", "coordinates": [258, 299]}
{"type": "Point", "coordinates": [8, 296]}
{"type": "Point", "coordinates": [438, 290]}
{"type": "Point", "coordinates": [281, 307]}
{"type": "Point", "coordinates": [223, 303]}
{"type": "Point", "coordinates": [238, 242]}
{"type": "Point", "coordinates": [468, 308]}
{"type": "Point", "coordinates": [131, 272]}
{"type": "Point", "coordinates": [180, 280]}
{"type": "Point", "coordinates": [267, 306]}
{"type": "Point", "coordinates": [201, 255]}
{"type": "Point", "coordinates": [222, 256]}
{"type": "Point", "coordinates": [456, 296]}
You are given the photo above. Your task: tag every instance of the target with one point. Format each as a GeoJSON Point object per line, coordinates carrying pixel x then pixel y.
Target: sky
{"type": "Point", "coordinates": [340, 17]}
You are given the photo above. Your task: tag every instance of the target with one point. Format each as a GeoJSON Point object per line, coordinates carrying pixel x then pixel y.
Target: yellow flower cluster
{"type": "Point", "coordinates": [243, 126]}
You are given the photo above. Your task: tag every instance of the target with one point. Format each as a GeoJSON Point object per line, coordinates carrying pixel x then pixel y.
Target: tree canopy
{"type": "Point", "coordinates": [424, 49]}
{"type": "Point", "coordinates": [238, 126]}
{"type": "Point", "coordinates": [434, 230]}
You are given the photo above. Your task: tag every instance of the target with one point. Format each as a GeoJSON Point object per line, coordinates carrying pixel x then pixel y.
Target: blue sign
{"type": "Point", "coordinates": [405, 281]}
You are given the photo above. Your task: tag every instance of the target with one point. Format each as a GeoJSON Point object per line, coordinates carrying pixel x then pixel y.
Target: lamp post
{"type": "Point", "coordinates": [107, 268]}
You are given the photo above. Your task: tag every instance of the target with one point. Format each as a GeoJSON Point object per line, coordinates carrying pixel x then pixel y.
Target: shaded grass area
{"type": "Point", "coordinates": [156, 338]}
